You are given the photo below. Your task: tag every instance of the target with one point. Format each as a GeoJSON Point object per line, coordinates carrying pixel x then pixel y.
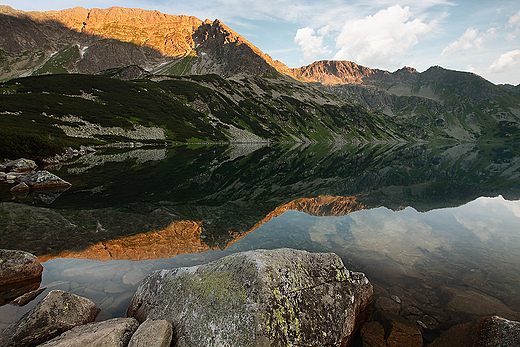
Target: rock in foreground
{"type": "Point", "coordinates": [259, 298]}
{"type": "Point", "coordinates": [111, 333]}
{"type": "Point", "coordinates": [57, 312]}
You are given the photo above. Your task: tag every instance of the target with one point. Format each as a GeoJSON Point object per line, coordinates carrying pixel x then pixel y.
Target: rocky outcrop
{"type": "Point", "coordinates": [258, 298]}
{"type": "Point", "coordinates": [334, 72]}
{"type": "Point", "coordinates": [57, 312]}
{"type": "Point", "coordinates": [18, 266]}
{"type": "Point", "coordinates": [111, 333]}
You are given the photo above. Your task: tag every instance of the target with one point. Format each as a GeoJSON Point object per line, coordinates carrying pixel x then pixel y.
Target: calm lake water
{"type": "Point", "coordinates": [435, 228]}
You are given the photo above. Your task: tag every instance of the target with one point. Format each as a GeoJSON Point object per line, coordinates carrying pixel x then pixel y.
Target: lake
{"type": "Point", "coordinates": [436, 228]}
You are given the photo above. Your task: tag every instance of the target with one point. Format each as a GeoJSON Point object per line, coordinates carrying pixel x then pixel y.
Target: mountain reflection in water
{"type": "Point", "coordinates": [188, 206]}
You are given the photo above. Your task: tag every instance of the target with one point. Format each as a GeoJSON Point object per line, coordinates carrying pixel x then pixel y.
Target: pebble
{"type": "Point", "coordinates": [422, 325]}
{"type": "Point", "coordinates": [395, 298]}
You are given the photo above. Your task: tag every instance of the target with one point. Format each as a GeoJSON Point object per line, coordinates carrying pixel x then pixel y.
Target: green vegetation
{"type": "Point", "coordinates": [206, 109]}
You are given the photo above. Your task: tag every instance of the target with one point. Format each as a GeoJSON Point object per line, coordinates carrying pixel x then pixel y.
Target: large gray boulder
{"type": "Point", "coordinates": [281, 297]}
{"type": "Point", "coordinates": [18, 266]}
{"type": "Point", "coordinates": [57, 312]}
{"type": "Point", "coordinates": [111, 333]}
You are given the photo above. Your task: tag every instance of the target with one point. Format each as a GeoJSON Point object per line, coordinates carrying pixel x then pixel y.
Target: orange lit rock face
{"type": "Point", "coordinates": [184, 237]}
{"type": "Point", "coordinates": [170, 35]}
{"type": "Point", "coordinates": [178, 238]}
{"type": "Point", "coordinates": [173, 36]}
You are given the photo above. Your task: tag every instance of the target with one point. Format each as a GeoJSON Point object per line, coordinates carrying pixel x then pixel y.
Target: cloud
{"type": "Point", "coordinates": [471, 39]}
{"type": "Point", "coordinates": [505, 62]}
{"type": "Point", "coordinates": [311, 45]}
{"type": "Point", "coordinates": [514, 20]}
{"type": "Point", "coordinates": [381, 39]}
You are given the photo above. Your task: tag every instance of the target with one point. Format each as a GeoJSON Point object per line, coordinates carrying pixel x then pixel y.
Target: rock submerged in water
{"type": "Point", "coordinates": [281, 297]}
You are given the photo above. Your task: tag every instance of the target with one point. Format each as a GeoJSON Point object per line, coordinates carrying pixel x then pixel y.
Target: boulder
{"type": "Point", "coordinates": [496, 331]}
{"type": "Point", "coordinates": [44, 179]}
{"type": "Point", "coordinates": [55, 313]}
{"type": "Point", "coordinates": [18, 266]}
{"type": "Point", "coordinates": [278, 297]}
{"type": "Point", "coordinates": [21, 165]}
{"type": "Point", "coordinates": [373, 335]}
{"type": "Point", "coordinates": [110, 333]}
{"type": "Point", "coordinates": [461, 335]}
{"type": "Point", "coordinates": [152, 333]}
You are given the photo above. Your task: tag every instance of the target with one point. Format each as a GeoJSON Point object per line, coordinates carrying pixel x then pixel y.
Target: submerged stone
{"type": "Point", "coordinates": [281, 297]}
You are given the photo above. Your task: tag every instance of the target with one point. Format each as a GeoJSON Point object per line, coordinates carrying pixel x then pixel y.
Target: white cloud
{"type": "Point", "coordinates": [311, 45]}
{"type": "Point", "coordinates": [514, 21]}
{"type": "Point", "coordinates": [381, 39]}
{"type": "Point", "coordinates": [471, 39]}
{"type": "Point", "coordinates": [506, 61]}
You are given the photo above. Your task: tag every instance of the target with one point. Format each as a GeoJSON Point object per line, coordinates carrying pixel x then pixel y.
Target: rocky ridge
{"type": "Point", "coordinates": [131, 43]}
{"type": "Point", "coordinates": [93, 40]}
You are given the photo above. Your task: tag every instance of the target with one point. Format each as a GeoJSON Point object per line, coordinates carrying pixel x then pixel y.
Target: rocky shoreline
{"type": "Point", "coordinates": [24, 172]}
{"type": "Point", "coordinates": [282, 297]}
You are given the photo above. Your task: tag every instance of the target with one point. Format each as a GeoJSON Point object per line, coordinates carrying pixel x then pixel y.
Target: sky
{"type": "Point", "coordinates": [467, 35]}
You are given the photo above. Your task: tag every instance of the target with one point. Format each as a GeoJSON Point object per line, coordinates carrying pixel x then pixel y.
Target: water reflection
{"type": "Point", "coordinates": [194, 205]}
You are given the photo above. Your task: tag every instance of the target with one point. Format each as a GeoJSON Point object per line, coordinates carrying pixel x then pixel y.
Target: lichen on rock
{"type": "Point", "coordinates": [280, 297]}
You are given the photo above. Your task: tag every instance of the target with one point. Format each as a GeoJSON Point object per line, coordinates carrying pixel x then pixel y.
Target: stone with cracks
{"type": "Point", "coordinates": [281, 297]}
{"type": "Point", "coordinates": [111, 333]}
{"type": "Point", "coordinates": [55, 313]}
{"type": "Point", "coordinates": [152, 333]}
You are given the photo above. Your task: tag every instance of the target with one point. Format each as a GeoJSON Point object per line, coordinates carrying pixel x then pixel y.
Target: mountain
{"type": "Point", "coordinates": [324, 101]}
{"type": "Point", "coordinates": [89, 41]}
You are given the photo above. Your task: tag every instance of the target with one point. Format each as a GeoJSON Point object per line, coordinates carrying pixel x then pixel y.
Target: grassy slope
{"type": "Point", "coordinates": [189, 110]}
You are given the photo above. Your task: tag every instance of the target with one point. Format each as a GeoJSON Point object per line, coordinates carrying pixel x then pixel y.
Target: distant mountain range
{"type": "Point", "coordinates": [130, 44]}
